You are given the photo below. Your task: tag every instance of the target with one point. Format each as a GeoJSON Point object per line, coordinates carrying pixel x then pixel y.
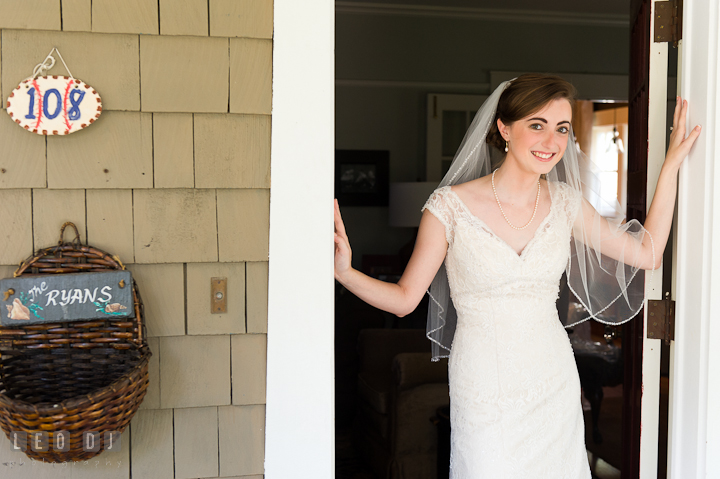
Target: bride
{"type": "Point", "coordinates": [492, 245]}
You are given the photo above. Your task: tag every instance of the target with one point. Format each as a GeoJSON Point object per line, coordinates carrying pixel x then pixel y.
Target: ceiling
{"type": "Point", "coordinates": [613, 7]}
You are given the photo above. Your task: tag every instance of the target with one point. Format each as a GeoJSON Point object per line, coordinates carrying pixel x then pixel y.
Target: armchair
{"type": "Point", "coordinates": [400, 390]}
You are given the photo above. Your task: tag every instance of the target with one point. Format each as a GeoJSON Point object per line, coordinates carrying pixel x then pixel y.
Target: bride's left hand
{"type": "Point", "coordinates": [679, 144]}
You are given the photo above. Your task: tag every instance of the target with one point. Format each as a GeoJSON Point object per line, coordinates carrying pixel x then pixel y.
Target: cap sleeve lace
{"type": "Point", "coordinates": [570, 199]}
{"type": "Point", "coordinates": [441, 206]}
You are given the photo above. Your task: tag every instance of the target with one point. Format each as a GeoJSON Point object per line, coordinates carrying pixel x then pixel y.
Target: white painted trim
{"type": "Point", "coordinates": [488, 14]}
{"type": "Point", "coordinates": [673, 286]}
{"type": "Point", "coordinates": [299, 426]}
{"type": "Point", "coordinates": [695, 437]}
{"type": "Point", "coordinates": [650, 400]}
{"type": "Point", "coordinates": [712, 385]}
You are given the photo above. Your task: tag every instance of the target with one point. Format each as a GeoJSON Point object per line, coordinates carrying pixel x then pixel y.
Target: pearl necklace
{"type": "Point", "coordinates": [537, 201]}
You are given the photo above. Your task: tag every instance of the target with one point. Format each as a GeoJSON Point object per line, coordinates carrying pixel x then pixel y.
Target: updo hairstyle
{"type": "Point", "coordinates": [525, 95]}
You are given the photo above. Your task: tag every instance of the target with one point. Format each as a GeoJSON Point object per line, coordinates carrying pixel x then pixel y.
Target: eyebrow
{"type": "Point", "coordinates": [545, 121]}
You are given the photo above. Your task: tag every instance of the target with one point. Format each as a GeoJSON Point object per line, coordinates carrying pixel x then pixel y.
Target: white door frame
{"type": "Point", "coordinates": [300, 396]}
{"type": "Point", "coordinates": [300, 422]}
{"type": "Point", "coordinates": [694, 439]}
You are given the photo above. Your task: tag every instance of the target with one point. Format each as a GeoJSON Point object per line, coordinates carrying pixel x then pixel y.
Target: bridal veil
{"type": "Point", "coordinates": [611, 290]}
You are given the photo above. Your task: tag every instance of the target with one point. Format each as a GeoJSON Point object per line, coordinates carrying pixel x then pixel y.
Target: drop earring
{"type": "Point", "coordinates": [506, 147]}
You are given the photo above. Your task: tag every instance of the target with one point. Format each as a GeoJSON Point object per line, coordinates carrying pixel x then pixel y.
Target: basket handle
{"type": "Point", "coordinates": [77, 235]}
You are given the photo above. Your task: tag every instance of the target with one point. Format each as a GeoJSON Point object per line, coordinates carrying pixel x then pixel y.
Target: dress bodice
{"type": "Point", "coordinates": [481, 266]}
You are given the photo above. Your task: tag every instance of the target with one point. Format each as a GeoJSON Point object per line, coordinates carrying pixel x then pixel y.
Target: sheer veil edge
{"type": "Point", "coordinates": [610, 290]}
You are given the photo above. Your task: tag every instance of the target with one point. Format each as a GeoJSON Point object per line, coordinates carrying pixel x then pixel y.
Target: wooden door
{"type": "Point", "coordinates": [637, 181]}
{"type": "Point", "coordinates": [646, 148]}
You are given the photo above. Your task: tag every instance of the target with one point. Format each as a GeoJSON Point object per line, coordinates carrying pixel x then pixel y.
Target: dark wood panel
{"type": "Point", "coordinates": [636, 207]}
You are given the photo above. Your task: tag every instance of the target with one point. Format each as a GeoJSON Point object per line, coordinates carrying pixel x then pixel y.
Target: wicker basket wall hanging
{"type": "Point", "coordinates": [70, 377]}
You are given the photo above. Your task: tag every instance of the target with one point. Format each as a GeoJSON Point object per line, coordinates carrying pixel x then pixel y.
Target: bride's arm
{"type": "Point", "coordinates": [659, 217]}
{"type": "Point", "coordinates": [401, 298]}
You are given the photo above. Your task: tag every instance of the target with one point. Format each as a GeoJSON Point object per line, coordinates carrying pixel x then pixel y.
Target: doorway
{"type": "Point", "coordinates": [303, 83]}
{"type": "Point", "coordinates": [390, 60]}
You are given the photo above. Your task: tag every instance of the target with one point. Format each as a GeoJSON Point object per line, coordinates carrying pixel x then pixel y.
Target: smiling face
{"type": "Point", "coordinates": [537, 142]}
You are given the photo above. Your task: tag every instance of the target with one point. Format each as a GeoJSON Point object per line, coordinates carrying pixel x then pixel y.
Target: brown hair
{"type": "Point", "coordinates": [524, 96]}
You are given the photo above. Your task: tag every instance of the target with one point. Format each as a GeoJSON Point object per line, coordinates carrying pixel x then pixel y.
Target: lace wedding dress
{"type": "Point", "coordinates": [514, 386]}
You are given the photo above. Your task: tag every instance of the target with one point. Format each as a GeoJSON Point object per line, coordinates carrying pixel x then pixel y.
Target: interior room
{"type": "Point", "coordinates": [410, 75]}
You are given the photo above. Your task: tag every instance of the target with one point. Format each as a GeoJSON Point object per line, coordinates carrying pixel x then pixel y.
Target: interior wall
{"type": "Point", "coordinates": [174, 178]}
{"type": "Point", "coordinates": [388, 64]}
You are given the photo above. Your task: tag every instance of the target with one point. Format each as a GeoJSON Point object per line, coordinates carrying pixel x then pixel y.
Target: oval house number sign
{"type": "Point", "coordinates": [53, 105]}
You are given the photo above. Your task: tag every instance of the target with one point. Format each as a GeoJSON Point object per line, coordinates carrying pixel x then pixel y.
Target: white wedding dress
{"type": "Point", "coordinates": [514, 386]}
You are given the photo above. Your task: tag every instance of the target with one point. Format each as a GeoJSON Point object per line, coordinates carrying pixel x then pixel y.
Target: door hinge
{"type": "Point", "coordinates": [668, 22]}
{"type": "Point", "coordinates": [661, 319]}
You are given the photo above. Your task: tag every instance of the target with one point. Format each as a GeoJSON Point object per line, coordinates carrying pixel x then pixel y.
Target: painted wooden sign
{"type": "Point", "coordinates": [66, 297]}
{"type": "Point", "coordinates": [54, 105]}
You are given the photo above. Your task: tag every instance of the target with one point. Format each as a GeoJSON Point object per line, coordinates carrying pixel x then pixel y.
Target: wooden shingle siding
{"type": "Point", "coordinates": [194, 371]}
{"type": "Point", "coordinates": [22, 157]}
{"type": "Point", "coordinates": [152, 430]}
{"type": "Point", "coordinates": [200, 320]}
{"type": "Point", "coordinates": [51, 209]}
{"type": "Point", "coordinates": [257, 297]}
{"type": "Point", "coordinates": [16, 237]}
{"type": "Point", "coordinates": [162, 288]}
{"type": "Point", "coordinates": [174, 178]}
{"type": "Point", "coordinates": [114, 153]}
{"type": "Point", "coordinates": [241, 18]}
{"type": "Point", "coordinates": [232, 151]}
{"type": "Point", "coordinates": [127, 16]}
{"type": "Point", "coordinates": [152, 397]}
{"type": "Point", "coordinates": [196, 443]}
{"type": "Point", "coordinates": [76, 15]}
{"type": "Point", "coordinates": [184, 74]}
{"type": "Point", "coordinates": [243, 232]}
{"type": "Point", "coordinates": [110, 222]}
{"type": "Point", "coordinates": [35, 15]}
{"type": "Point", "coordinates": [173, 150]}
{"type": "Point", "coordinates": [250, 76]}
{"type": "Point", "coordinates": [184, 17]}
{"type": "Point", "coordinates": [175, 226]}
{"type": "Point", "coordinates": [109, 63]}
{"type": "Point", "coordinates": [242, 440]}
{"type": "Point", "coordinates": [248, 380]}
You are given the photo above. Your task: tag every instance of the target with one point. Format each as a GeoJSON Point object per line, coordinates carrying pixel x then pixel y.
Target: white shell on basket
{"type": "Point", "coordinates": [54, 105]}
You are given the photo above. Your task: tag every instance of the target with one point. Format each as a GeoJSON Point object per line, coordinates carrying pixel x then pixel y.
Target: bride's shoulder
{"type": "Point", "coordinates": [472, 188]}
{"type": "Point", "coordinates": [566, 196]}
{"type": "Point", "coordinates": [564, 189]}
{"type": "Point", "coordinates": [453, 198]}
{"type": "Point", "coordinates": [439, 197]}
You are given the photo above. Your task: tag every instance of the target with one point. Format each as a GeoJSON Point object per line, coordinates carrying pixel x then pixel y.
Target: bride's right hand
{"type": "Point", "coordinates": [343, 253]}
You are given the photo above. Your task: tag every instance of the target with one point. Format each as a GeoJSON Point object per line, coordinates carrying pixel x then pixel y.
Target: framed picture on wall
{"type": "Point", "coordinates": [362, 177]}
